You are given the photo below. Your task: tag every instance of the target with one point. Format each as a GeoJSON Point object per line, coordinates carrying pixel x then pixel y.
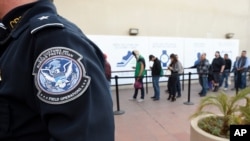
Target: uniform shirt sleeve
{"type": "Point", "coordinates": [89, 115]}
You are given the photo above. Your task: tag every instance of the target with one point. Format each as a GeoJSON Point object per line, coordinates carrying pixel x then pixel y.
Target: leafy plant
{"type": "Point", "coordinates": [245, 114]}
{"type": "Point", "coordinates": [212, 125]}
{"type": "Point", "coordinates": [231, 112]}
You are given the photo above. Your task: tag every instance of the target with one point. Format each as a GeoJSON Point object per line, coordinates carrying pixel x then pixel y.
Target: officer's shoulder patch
{"type": "Point", "coordinates": [60, 76]}
{"type": "Point", "coordinates": [44, 21]}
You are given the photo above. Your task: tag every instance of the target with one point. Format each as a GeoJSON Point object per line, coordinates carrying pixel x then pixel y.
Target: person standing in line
{"type": "Point", "coordinates": [203, 70]}
{"type": "Point", "coordinates": [108, 72]}
{"type": "Point", "coordinates": [198, 60]}
{"type": "Point", "coordinates": [226, 72]}
{"type": "Point", "coordinates": [241, 68]}
{"type": "Point", "coordinates": [174, 68]}
{"type": "Point", "coordinates": [139, 74]}
{"type": "Point", "coordinates": [180, 72]}
{"type": "Point", "coordinates": [218, 66]}
{"type": "Point", "coordinates": [234, 70]}
{"type": "Point", "coordinates": [156, 73]}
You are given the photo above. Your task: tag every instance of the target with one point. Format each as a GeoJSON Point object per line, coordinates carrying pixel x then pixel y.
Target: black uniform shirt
{"type": "Point", "coordinates": [53, 85]}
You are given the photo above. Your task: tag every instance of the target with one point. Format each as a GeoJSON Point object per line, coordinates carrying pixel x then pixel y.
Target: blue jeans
{"type": "Point", "coordinates": [243, 80]}
{"type": "Point", "coordinates": [225, 76]}
{"type": "Point", "coordinates": [204, 84]}
{"type": "Point", "coordinates": [142, 90]}
{"type": "Point", "coordinates": [156, 86]}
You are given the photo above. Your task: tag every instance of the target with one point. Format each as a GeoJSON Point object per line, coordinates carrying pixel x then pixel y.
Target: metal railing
{"type": "Point", "coordinates": [189, 79]}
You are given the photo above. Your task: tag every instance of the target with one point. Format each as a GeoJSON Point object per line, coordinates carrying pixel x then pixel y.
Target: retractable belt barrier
{"type": "Point", "coordinates": [188, 102]}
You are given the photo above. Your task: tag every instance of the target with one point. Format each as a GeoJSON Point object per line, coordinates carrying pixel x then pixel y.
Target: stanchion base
{"type": "Point", "coordinates": [188, 103]}
{"type": "Point", "coordinates": [119, 112]}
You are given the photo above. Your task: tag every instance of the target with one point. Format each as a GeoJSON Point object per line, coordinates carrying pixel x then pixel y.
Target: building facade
{"type": "Point", "coordinates": [168, 18]}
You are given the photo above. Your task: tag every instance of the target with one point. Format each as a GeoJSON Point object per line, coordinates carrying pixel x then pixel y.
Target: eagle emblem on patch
{"type": "Point", "coordinates": [60, 76]}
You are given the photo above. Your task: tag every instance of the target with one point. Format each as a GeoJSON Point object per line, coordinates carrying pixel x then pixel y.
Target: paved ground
{"type": "Point", "coordinates": [155, 120]}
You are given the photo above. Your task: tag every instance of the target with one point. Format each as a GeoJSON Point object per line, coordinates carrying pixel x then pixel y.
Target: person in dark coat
{"type": "Point", "coordinates": [218, 65]}
{"type": "Point", "coordinates": [156, 70]}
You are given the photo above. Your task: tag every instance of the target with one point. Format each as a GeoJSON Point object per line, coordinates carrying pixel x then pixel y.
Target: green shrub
{"type": "Point", "coordinates": [212, 125]}
{"type": "Point", "coordinates": [231, 112]}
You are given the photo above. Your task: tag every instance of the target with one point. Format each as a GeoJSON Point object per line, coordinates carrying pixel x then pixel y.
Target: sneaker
{"type": "Point", "coordinates": [153, 97]}
{"type": "Point", "coordinates": [178, 96]}
{"type": "Point", "coordinates": [140, 100]}
{"type": "Point", "coordinates": [225, 89]}
{"type": "Point", "coordinates": [132, 99]}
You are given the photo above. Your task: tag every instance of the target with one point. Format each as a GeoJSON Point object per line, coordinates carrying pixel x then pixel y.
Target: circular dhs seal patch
{"type": "Point", "coordinates": [60, 77]}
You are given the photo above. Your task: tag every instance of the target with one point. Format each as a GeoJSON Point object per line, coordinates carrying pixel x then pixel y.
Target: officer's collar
{"type": "Point", "coordinates": [12, 19]}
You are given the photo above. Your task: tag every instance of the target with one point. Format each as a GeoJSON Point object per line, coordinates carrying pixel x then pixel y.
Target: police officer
{"type": "Point", "coordinates": [52, 86]}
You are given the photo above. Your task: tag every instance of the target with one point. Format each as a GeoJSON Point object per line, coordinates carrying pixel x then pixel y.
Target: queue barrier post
{"type": "Point", "coordinates": [118, 111]}
{"type": "Point", "coordinates": [183, 74]}
{"type": "Point", "coordinates": [146, 82]}
{"type": "Point", "coordinates": [189, 90]}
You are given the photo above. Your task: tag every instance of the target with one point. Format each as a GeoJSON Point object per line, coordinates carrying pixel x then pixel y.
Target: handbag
{"type": "Point", "coordinates": [138, 84]}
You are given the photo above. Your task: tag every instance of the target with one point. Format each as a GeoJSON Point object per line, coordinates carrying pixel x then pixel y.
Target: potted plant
{"type": "Point", "coordinates": [208, 125]}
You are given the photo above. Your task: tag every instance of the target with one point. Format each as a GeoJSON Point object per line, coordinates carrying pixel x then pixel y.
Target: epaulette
{"type": "Point", "coordinates": [44, 21]}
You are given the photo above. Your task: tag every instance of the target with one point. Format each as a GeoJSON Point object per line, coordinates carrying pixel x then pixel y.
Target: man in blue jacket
{"type": "Point", "coordinates": [52, 81]}
{"type": "Point", "coordinates": [241, 67]}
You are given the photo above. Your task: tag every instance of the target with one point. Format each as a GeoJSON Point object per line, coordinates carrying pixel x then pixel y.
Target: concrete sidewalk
{"type": "Point", "coordinates": [155, 120]}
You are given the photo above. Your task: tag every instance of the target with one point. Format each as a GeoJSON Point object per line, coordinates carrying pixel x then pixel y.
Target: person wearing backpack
{"type": "Point", "coordinates": [156, 73]}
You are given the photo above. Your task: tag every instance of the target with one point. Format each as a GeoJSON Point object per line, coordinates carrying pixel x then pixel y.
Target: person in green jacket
{"type": "Point", "coordinates": [139, 74]}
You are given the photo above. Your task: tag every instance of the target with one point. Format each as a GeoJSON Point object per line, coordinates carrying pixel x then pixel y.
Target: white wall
{"type": "Point", "coordinates": [168, 18]}
{"type": "Point", "coordinates": [116, 47]}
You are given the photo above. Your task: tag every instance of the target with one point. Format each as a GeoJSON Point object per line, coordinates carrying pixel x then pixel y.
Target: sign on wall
{"type": "Point", "coordinates": [119, 51]}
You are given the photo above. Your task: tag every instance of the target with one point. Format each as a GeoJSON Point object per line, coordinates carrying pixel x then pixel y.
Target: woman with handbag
{"type": "Point", "coordinates": [139, 74]}
{"type": "Point", "coordinates": [174, 68]}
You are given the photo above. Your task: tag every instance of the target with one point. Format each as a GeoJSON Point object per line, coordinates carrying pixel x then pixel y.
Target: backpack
{"type": "Point", "coordinates": [162, 72]}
